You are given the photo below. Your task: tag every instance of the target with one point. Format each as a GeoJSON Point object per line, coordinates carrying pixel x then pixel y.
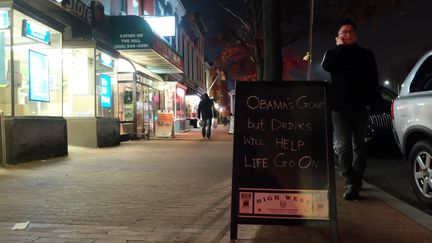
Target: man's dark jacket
{"type": "Point", "coordinates": [354, 75]}
{"type": "Point", "coordinates": [205, 108]}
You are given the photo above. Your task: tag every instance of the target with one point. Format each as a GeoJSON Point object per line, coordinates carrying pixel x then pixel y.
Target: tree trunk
{"type": "Point", "coordinates": [259, 61]}
{"type": "Point", "coordinates": [272, 41]}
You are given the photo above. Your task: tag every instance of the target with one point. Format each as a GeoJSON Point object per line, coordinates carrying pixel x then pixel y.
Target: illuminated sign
{"type": "Point", "coordinates": [79, 9]}
{"type": "Point", "coordinates": [105, 60]}
{"type": "Point", "coordinates": [36, 32]}
{"type": "Point", "coordinates": [4, 19]}
{"type": "Point", "coordinates": [163, 26]}
{"type": "Point", "coordinates": [105, 86]}
{"type": "Point", "coordinates": [38, 77]}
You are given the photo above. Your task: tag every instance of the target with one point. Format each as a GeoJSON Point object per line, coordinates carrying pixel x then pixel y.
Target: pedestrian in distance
{"type": "Point", "coordinates": [354, 90]}
{"type": "Point", "coordinates": [206, 112]}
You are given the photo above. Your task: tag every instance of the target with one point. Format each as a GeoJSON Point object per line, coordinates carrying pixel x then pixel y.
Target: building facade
{"type": "Point", "coordinates": [92, 73]}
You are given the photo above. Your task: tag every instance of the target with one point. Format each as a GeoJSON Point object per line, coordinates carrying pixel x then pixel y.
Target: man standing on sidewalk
{"type": "Point", "coordinates": [206, 113]}
{"type": "Point", "coordinates": [354, 87]}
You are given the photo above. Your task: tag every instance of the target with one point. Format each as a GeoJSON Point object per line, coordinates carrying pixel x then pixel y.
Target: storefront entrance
{"type": "Point", "coordinates": [138, 106]}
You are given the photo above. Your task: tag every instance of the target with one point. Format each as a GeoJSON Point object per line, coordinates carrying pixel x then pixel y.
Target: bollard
{"type": "Point", "coordinates": [3, 138]}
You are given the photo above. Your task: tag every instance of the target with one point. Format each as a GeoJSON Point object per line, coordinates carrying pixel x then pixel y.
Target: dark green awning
{"type": "Point", "coordinates": [134, 38]}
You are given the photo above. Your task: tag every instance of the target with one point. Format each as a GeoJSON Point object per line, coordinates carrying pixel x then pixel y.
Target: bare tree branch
{"type": "Point", "coordinates": [235, 15]}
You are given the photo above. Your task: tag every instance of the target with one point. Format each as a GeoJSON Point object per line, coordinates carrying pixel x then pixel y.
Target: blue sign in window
{"type": "Point", "coordinates": [4, 19]}
{"type": "Point", "coordinates": [105, 86]}
{"type": "Point", "coordinates": [36, 32]}
{"type": "Point", "coordinates": [38, 77]}
{"type": "Point", "coordinates": [106, 60]}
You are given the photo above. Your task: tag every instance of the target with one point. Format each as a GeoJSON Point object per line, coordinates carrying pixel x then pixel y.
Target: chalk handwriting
{"type": "Point", "coordinates": [303, 103]}
{"type": "Point", "coordinates": [289, 144]}
{"type": "Point", "coordinates": [290, 125]}
{"type": "Point", "coordinates": [253, 141]}
{"type": "Point", "coordinates": [256, 125]}
{"type": "Point", "coordinates": [280, 161]}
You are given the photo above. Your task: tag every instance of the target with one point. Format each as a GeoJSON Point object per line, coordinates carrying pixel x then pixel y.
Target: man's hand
{"type": "Point", "coordinates": [339, 40]}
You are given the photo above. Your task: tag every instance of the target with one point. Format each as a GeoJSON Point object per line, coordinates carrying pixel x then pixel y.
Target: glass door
{"type": "Point", "coordinates": [126, 108]}
{"type": "Point", "coordinates": [140, 110]}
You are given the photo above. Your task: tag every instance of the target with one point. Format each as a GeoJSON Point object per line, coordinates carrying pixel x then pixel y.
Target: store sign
{"type": "Point", "coordinates": [4, 19]}
{"type": "Point", "coordinates": [165, 122]}
{"type": "Point", "coordinates": [106, 60]}
{"type": "Point", "coordinates": [169, 54]}
{"type": "Point", "coordinates": [36, 32]}
{"type": "Point", "coordinates": [105, 85]}
{"type": "Point", "coordinates": [38, 77]}
{"type": "Point", "coordinates": [79, 9]}
{"type": "Point", "coordinates": [162, 25]}
{"type": "Point", "coordinates": [131, 41]}
{"type": "Point", "coordinates": [130, 32]}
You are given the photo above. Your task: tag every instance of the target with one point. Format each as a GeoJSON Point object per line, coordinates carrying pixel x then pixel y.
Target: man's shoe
{"type": "Point", "coordinates": [351, 193]}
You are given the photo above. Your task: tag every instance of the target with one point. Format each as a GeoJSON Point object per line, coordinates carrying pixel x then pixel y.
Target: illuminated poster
{"type": "Point", "coordinates": [105, 85]}
{"type": "Point", "coordinates": [38, 77]}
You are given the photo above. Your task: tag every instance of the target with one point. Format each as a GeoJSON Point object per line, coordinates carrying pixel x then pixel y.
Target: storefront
{"type": "Point", "coordinates": [31, 85]}
{"type": "Point", "coordinates": [192, 102]}
{"type": "Point", "coordinates": [90, 94]}
{"type": "Point", "coordinates": [135, 41]}
{"type": "Point", "coordinates": [139, 100]}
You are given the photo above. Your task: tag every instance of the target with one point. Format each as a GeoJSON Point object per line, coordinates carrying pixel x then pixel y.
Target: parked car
{"type": "Point", "coordinates": [380, 128]}
{"type": "Point", "coordinates": [412, 122]}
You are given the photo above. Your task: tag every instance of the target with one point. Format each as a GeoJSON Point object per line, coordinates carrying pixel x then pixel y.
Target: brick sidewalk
{"type": "Point", "coordinates": [167, 190]}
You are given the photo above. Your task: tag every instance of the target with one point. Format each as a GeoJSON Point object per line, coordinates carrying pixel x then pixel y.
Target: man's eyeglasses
{"type": "Point", "coordinates": [347, 32]}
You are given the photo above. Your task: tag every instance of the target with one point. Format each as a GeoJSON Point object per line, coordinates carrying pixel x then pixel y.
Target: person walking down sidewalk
{"type": "Point", "coordinates": [206, 113]}
{"type": "Point", "coordinates": [354, 87]}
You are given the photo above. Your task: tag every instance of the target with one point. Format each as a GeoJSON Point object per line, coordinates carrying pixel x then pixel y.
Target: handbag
{"type": "Point", "coordinates": [215, 123]}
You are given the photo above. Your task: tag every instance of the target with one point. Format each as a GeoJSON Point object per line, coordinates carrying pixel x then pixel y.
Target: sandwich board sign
{"type": "Point", "coordinates": [283, 172]}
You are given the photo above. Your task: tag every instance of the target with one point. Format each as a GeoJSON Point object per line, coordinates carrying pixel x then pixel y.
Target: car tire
{"type": "Point", "coordinates": [420, 169]}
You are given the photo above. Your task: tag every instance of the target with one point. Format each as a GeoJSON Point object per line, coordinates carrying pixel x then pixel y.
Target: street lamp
{"type": "Point", "coordinates": [387, 82]}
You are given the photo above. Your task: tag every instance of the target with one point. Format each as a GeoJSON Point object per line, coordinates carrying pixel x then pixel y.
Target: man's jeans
{"type": "Point", "coordinates": [350, 128]}
{"type": "Point", "coordinates": [206, 127]}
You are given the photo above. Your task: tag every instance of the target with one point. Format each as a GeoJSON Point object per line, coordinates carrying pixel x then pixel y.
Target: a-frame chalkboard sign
{"type": "Point", "coordinates": [283, 171]}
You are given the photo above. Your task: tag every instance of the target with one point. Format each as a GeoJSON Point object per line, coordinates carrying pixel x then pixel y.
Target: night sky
{"type": "Point", "coordinates": [399, 37]}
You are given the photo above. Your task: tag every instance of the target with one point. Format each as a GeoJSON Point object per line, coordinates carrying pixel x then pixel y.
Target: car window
{"type": "Point", "coordinates": [423, 79]}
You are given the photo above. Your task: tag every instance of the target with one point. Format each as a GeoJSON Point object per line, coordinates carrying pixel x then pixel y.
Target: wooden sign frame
{"type": "Point", "coordinates": [283, 169]}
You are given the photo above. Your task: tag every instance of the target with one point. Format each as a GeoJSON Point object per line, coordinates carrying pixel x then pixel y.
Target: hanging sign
{"type": "Point", "coordinates": [36, 32]}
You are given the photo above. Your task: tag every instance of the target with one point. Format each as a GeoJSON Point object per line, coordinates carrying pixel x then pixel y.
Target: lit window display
{"type": "Point", "coordinates": [37, 69]}
{"type": "Point", "coordinates": [5, 68]}
{"type": "Point", "coordinates": [78, 75]}
{"type": "Point", "coordinates": [106, 83]}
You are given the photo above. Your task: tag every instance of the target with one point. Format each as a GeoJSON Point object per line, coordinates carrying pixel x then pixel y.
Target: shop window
{"type": "Point", "coordinates": [106, 85]}
{"type": "Point", "coordinates": [37, 68]}
{"type": "Point", "coordinates": [79, 82]}
{"type": "Point", "coordinates": [5, 67]}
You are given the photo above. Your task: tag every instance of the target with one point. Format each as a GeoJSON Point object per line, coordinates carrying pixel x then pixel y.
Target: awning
{"type": "Point", "coordinates": [133, 37]}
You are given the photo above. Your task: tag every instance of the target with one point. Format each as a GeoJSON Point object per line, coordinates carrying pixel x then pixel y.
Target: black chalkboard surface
{"type": "Point", "coordinates": [282, 165]}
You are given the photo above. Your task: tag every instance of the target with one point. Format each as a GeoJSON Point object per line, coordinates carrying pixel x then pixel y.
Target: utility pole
{"type": "Point", "coordinates": [311, 20]}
